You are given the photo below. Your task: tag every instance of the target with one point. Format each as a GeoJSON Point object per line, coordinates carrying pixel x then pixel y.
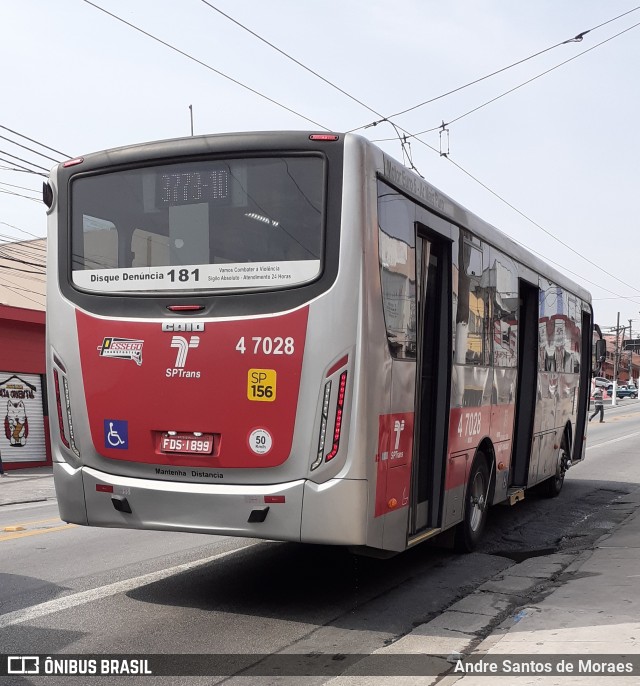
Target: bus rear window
{"type": "Point", "coordinates": [219, 225]}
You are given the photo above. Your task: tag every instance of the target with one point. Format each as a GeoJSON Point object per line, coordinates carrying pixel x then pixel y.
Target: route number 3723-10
{"type": "Point", "coordinates": [470, 424]}
{"type": "Point", "coordinates": [266, 345]}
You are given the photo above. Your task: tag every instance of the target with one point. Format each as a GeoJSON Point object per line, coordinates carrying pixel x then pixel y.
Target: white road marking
{"type": "Point", "coordinates": [614, 440]}
{"type": "Point", "coordinates": [28, 614]}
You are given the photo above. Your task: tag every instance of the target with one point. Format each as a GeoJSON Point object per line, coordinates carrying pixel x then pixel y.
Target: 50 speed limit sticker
{"type": "Point", "coordinates": [260, 441]}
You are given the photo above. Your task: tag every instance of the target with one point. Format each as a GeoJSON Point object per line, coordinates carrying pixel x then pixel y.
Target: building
{"type": "Point", "coordinates": [628, 361]}
{"type": "Point", "coordinates": [24, 438]}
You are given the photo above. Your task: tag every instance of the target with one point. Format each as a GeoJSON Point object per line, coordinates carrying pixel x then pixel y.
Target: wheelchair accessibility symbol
{"type": "Point", "coordinates": [116, 434]}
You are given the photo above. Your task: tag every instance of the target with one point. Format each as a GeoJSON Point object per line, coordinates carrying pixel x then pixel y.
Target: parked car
{"type": "Point", "coordinates": [602, 382]}
{"type": "Point", "coordinates": [626, 392]}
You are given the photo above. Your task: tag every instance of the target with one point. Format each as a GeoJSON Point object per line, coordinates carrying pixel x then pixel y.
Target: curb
{"type": "Point", "coordinates": [470, 621]}
{"type": "Point", "coordinates": [479, 620]}
{"type": "Point", "coordinates": [23, 502]}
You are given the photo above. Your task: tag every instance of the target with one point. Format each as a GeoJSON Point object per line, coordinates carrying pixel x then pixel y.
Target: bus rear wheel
{"type": "Point", "coordinates": [553, 486]}
{"type": "Point", "coordinates": [469, 531]}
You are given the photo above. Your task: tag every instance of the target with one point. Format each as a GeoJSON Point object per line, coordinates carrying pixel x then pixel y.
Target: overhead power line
{"type": "Point", "coordinates": [17, 228]}
{"type": "Point", "coordinates": [20, 195]}
{"type": "Point", "coordinates": [207, 66]}
{"type": "Point", "coordinates": [9, 252]}
{"type": "Point", "coordinates": [23, 188]}
{"type": "Point", "coordinates": [42, 145]}
{"type": "Point", "coordinates": [19, 168]}
{"type": "Point", "coordinates": [515, 88]}
{"type": "Point", "coordinates": [35, 254]}
{"type": "Point", "coordinates": [539, 226]}
{"type": "Point", "coordinates": [37, 262]}
{"type": "Point", "coordinates": [15, 157]}
{"type": "Point", "coordinates": [29, 149]}
{"type": "Point", "coordinates": [22, 271]}
{"type": "Point", "coordinates": [406, 152]}
{"type": "Point", "coordinates": [289, 57]}
{"type": "Point", "coordinates": [20, 290]}
{"type": "Point", "coordinates": [575, 39]}
{"type": "Point", "coordinates": [11, 258]}
{"type": "Point", "coordinates": [16, 169]}
{"type": "Point", "coordinates": [403, 143]}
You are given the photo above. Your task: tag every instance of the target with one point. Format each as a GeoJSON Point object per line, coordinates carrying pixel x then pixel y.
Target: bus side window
{"type": "Point", "coordinates": [504, 310]}
{"type": "Point", "coordinates": [473, 301]}
{"type": "Point", "coordinates": [397, 254]}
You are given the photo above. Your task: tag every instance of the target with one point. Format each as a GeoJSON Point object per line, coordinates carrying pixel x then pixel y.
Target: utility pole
{"type": "Point", "coordinates": [630, 348]}
{"type": "Point", "coordinates": [191, 113]}
{"type": "Point", "coordinates": [616, 362]}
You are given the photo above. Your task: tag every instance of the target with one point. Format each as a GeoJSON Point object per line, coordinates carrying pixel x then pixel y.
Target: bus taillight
{"type": "Point", "coordinates": [324, 420]}
{"type": "Point", "coordinates": [63, 436]}
{"type": "Point", "coordinates": [323, 425]}
{"type": "Point", "coordinates": [73, 162]}
{"type": "Point", "coordinates": [339, 413]}
{"type": "Point", "coordinates": [185, 308]}
{"type": "Point", "coordinates": [68, 442]}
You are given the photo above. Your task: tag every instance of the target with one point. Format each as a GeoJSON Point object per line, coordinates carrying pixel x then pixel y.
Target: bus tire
{"type": "Point", "coordinates": [476, 505]}
{"type": "Point", "coordinates": [551, 487]}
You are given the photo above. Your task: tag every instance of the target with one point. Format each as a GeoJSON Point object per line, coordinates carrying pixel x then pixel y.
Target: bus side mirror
{"type": "Point", "coordinates": [601, 354]}
{"type": "Point", "coordinates": [47, 194]}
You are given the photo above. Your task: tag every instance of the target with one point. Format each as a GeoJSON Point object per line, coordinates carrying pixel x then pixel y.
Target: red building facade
{"type": "Point", "coordinates": [24, 416]}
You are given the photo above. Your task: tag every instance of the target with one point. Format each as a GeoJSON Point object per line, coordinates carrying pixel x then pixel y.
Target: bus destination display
{"type": "Point", "coordinates": [198, 185]}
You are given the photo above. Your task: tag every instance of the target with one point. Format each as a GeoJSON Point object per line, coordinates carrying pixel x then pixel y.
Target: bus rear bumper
{"type": "Point", "coordinates": [333, 513]}
{"type": "Point", "coordinates": [70, 493]}
{"type": "Point", "coordinates": [267, 511]}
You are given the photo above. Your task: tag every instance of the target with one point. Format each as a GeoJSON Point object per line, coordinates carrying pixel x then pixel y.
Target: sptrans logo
{"type": "Point", "coordinates": [122, 348]}
{"type": "Point", "coordinates": [398, 428]}
{"type": "Point", "coordinates": [183, 345]}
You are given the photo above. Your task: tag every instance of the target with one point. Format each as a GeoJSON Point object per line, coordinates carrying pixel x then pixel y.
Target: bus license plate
{"type": "Point", "coordinates": [186, 443]}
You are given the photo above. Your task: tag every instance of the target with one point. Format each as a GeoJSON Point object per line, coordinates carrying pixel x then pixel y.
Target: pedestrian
{"type": "Point", "coordinates": [598, 402]}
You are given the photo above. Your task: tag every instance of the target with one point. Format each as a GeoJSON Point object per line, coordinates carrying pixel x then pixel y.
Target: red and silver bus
{"type": "Point", "coordinates": [290, 336]}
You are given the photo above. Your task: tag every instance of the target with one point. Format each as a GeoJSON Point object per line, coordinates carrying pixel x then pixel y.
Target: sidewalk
{"type": "Point", "coordinates": [27, 486]}
{"type": "Point", "coordinates": [594, 613]}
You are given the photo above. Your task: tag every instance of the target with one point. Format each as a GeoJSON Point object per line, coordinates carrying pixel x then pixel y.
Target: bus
{"type": "Point", "coordinates": [291, 336]}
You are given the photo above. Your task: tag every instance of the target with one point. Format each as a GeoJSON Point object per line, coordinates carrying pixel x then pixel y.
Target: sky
{"type": "Point", "coordinates": [553, 163]}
